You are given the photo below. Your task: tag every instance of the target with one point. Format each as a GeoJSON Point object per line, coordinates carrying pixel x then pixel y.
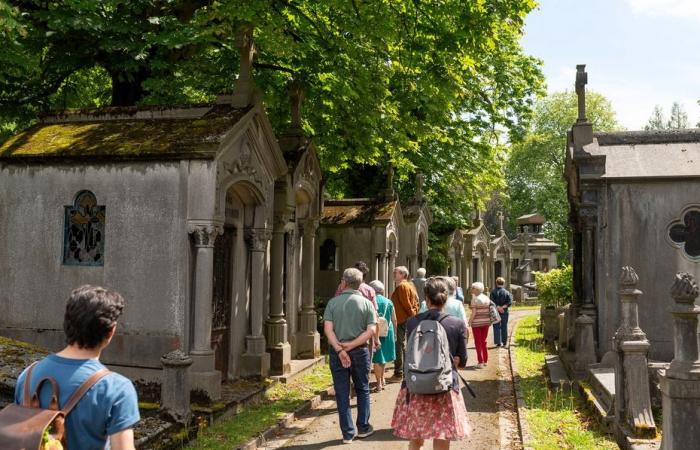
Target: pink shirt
{"type": "Point", "coordinates": [367, 292]}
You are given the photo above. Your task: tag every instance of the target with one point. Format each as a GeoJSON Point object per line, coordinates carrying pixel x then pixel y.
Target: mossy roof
{"type": "Point", "coordinates": [356, 212]}
{"type": "Point", "coordinates": [125, 137]}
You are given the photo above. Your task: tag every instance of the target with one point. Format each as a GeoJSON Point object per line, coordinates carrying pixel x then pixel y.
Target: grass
{"type": "Point", "coordinates": [524, 308]}
{"type": "Point", "coordinates": [280, 400]}
{"type": "Point", "coordinates": [555, 420]}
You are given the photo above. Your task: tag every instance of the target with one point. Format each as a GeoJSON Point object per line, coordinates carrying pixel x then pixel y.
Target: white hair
{"type": "Point", "coordinates": [378, 286]}
{"type": "Point", "coordinates": [479, 286]}
{"type": "Point", "coordinates": [403, 270]}
{"type": "Point", "coordinates": [451, 285]}
{"type": "Point", "coordinates": [420, 272]}
{"type": "Point", "coordinates": [352, 278]}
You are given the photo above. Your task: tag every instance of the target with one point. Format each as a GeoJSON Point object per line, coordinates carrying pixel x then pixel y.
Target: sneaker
{"type": "Point", "coordinates": [349, 441]}
{"type": "Point", "coordinates": [368, 432]}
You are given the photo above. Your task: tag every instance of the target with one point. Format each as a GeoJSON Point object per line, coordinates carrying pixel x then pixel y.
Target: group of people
{"type": "Point", "coordinates": [364, 326]}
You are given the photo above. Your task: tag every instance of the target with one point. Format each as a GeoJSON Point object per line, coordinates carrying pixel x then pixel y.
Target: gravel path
{"type": "Point", "coordinates": [491, 414]}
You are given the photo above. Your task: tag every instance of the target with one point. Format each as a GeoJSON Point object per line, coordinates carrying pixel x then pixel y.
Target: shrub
{"type": "Point", "coordinates": [555, 288]}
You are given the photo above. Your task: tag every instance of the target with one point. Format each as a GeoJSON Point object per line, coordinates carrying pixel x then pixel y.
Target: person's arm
{"type": "Point", "coordinates": [361, 339]}
{"type": "Point", "coordinates": [461, 356]}
{"type": "Point", "coordinates": [122, 440]}
{"type": "Point", "coordinates": [337, 346]}
{"type": "Point", "coordinates": [510, 299]}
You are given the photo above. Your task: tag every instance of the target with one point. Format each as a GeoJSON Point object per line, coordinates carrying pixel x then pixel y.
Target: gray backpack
{"type": "Point", "coordinates": [428, 366]}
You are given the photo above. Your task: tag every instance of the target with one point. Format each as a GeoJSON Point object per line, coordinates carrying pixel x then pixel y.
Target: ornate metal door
{"type": "Point", "coordinates": [221, 300]}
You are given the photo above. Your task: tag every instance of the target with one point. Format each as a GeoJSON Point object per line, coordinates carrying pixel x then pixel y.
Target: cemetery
{"type": "Point", "coordinates": [217, 168]}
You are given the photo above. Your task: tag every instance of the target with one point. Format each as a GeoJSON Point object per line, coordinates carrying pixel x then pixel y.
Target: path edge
{"type": "Point", "coordinates": [523, 429]}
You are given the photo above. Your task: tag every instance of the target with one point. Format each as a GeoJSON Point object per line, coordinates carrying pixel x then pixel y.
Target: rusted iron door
{"type": "Point", "coordinates": [221, 300]}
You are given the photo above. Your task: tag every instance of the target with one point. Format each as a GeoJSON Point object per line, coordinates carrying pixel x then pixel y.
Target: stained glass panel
{"type": "Point", "coordinates": [84, 233]}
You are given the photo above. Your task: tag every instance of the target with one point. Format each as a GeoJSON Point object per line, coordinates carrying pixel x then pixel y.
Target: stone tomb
{"type": "Point", "coordinates": [543, 251]}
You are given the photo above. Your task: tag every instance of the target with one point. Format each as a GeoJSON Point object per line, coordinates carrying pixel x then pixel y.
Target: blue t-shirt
{"type": "Point", "coordinates": [109, 407]}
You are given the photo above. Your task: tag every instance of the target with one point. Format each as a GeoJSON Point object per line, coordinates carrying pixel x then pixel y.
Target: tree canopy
{"type": "Point", "coordinates": [535, 170]}
{"type": "Point", "coordinates": [435, 87]}
{"type": "Point", "coordinates": [677, 121]}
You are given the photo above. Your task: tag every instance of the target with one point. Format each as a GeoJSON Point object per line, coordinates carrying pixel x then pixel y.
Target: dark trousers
{"type": "Point", "coordinates": [400, 348]}
{"type": "Point", "coordinates": [500, 330]}
{"type": "Point", "coordinates": [359, 372]}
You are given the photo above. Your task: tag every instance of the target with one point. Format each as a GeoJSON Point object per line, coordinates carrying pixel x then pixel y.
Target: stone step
{"type": "Point", "coordinates": [299, 368]}
{"type": "Point", "coordinates": [558, 379]}
{"type": "Point", "coordinates": [600, 394]}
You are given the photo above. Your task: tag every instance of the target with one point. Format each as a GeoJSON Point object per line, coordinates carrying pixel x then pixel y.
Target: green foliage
{"type": "Point", "coordinates": [556, 419]}
{"type": "Point", "coordinates": [435, 87]}
{"type": "Point", "coordinates": [535, 167]}
{"type": "Point", "coordinates": [555, 288]}
{"type": "Point", "coordinates": [677, 121]}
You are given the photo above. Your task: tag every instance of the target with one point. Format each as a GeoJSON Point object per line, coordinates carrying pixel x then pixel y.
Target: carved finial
{"type": "Point", "coordinates": [501, 229]}
{"type": "Point", "coordinates": [245, 87]}
{"type": "Point", "coordinates": [581, 82]}
{"type": "Point", "coordinates": [296, 98]}
{"type": "Point", "coordinates": [684, 289]}
{"type": "Point", "coordinates": [628, 278]}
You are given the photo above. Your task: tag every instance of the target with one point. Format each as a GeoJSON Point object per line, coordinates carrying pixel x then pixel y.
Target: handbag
{"type": "Point", "coordinates": [494, 316]}
{"type": "Point", "coordinates": [383, 325]}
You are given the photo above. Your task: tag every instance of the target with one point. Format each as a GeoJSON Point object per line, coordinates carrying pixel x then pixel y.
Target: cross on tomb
{"type": "Point", "coordinates": [687, 233]}
{"type": "Point", "coordinates": [581, 82]}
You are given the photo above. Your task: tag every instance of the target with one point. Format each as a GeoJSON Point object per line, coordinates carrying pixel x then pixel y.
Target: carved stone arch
{"type": "Point", "coordinates": [250, 195]}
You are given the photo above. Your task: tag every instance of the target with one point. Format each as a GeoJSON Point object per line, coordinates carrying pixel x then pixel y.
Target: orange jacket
{"type": "Point", "coordinates": [405, 301]}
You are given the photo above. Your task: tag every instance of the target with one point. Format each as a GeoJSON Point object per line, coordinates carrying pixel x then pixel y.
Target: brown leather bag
{"type": "Point", "coordinates": [22, 426]}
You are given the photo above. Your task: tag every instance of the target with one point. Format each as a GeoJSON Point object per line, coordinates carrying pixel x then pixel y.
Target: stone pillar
{"type": "Point", "coordinates": [205, 377]}
{"type": "Point", "coordinates": [308, 339]}
{"type": "Point", "coordinates": [585, 345]}
{"type": "Point", "coordinates": [276, 331]}
{"type": "Point", "coordinates": [391, 263]}
{"type": "Point", "coordinates": [588, 307]}
{"type": "Point", "coordinates": [413, 266]}
{"type": "Point", "coordinates": [175, 386]}
{"type": "Point", "coordinates": [680, 384]}
{"type": "Point", "coordinates": [632, 397]}
{"type": "Point", "coordinates": [381, 268]}
{"type": "Point", "coordinates": [255, 362]}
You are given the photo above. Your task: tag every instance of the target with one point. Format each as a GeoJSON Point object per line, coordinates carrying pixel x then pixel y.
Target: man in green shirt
{"type": "Point", "coordinates": [349, 322]}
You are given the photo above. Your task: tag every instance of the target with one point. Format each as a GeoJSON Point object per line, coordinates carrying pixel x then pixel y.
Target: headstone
{"type": "Point", "coordinates": [680, 385]}
{"type": "Point", "coordinates": [175, 386]}
{"type": "Point", "coordinates": [585, 345]}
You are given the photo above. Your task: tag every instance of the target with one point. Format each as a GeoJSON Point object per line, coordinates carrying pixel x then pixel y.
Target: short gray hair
{"type": "Point", "coordinates": [451, 285]}
{"type": "Point", "coordinates": [421, 272]}
{"type": "Point", "coordinates": [378, 286]}
{"type": "Point", "coordinates": [402, 270]}
{"type": "Point", "coordinates": [479, 286]}
{"type": "Point", "coordinates": [352, 278]}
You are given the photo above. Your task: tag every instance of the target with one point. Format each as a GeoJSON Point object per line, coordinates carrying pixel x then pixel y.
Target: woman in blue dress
{"type": "Point", "coordinates": [387, 351]}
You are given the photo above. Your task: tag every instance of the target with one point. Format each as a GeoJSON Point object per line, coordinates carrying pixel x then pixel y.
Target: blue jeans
{"type": "Point", "coordinates": [359, 371]}
{"type": "Point", "coordinates": [500, 330]}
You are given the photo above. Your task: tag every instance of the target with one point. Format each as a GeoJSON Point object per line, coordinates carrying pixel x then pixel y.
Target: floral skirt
{"type": "Point", "coordinates": [437, 416]}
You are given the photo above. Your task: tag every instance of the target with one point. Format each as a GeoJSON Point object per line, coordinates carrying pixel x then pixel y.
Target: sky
{"type": "Point", "coordinates": [638, 53]}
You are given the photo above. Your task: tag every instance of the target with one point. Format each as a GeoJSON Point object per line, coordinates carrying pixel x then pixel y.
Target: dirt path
{"type": "Point", "coordinates": [491, 414]}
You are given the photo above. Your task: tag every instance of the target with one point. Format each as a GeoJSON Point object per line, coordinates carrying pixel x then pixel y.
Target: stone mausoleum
{"type": "Point", "coordinates": [541, 252]}
{"type": "Point", "coordinates": [197, 215]}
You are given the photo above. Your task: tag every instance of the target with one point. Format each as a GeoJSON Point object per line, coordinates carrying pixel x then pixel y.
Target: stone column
{"type": "Point", "coordinates": [381, 264]}
{"type": "Point", "coordinates": [308, 339]}
{"type": "Point", "coordinates": [680, 384]}
{"type": "Point", "coordinates": [276, 327]}
{"type": "Point", "coordinates": [632, 397]}
{"type": "Point", "coordinates": [588, 270]}
{"type": "Point", "coordinates": [391, 258]}
{"type": "Point", "coordinates": [175, 386]}
{"type": "Point", "coordinates": [205, 377]}
{"type": "Point", "coordinates": [255, 362]}
{"type": "Point", "coordinates": [414, 265]}
{"type": "Point", "coordinates": [585, 345]}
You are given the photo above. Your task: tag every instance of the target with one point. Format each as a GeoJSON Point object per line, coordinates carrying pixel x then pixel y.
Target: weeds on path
{"type": "Point", "coordinates": [554, 417]}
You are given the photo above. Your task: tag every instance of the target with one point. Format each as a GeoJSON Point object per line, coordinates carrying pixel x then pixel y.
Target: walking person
{"type": "Point", "coordinates": [349, 323]}
{"type": "Point", "coordinates": [459, 293]}
{"type": "Point", "coordinates": [387, 350]}
{"type": "Point", "coordinates": [405, 300]}
{"type": "Point", "coordinates": [503, 300]}
{"type": "Point", "coordinates": [441, 417]}
{"type": "Point", "coordinates": [419, 284]}
{"type": "Point", "coordinates": [480, 321]}
{"type": "Point", "coordinates": [107, 411]}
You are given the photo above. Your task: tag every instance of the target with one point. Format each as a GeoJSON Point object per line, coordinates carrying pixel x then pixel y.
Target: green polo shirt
{"type": "Point", "coordinates": [350, 313]}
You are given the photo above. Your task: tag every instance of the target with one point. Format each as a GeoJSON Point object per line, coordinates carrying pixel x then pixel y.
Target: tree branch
{"type": "Point", "coordinates": [258, 65]}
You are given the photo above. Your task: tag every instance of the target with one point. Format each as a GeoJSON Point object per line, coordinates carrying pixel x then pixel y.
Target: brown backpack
{"type": "Point", "coordinates": [22, 427]}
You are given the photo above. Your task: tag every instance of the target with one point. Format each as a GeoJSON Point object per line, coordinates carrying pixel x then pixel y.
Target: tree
{"type": "Point", "coordinates": [536, 165]}
{"type": "Point", "coordinates": [434, 87]}
{"type": "Point", "coordinates": [657, 121]}
{"type": "Point", "coordinates": [679, 118]}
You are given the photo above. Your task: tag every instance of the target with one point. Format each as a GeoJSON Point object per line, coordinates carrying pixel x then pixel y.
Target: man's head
{"type": "Point", "coordinates": [500, 282]}
{"type": "Point", "coordinates": [451, 286]}
{"type": "Point", "coordinates": [477, 288]}
{"type": "Point", "coordinates": [420, 273]}
{"type": "Point", "coordinates": [91, 316]}
{"type": "Point", "coordinates": [362, 267]}
{"type": "Point", "coordinates": [352, 278]}
{"type": "Point", "coordinates": [400, 274]}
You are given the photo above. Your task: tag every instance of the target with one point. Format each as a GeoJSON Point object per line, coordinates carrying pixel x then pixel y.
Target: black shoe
{"type": "Point", "coordinates": [366, 433]}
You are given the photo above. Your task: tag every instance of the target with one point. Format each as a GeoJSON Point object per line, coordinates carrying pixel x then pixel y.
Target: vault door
{"type": "Point", "coordinates": [221, 301]}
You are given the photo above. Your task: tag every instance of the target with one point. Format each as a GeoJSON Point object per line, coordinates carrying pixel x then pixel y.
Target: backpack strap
{"type": "Point", "coordinates": [82, 390]}
{"type": "Point", "coordinates": [26, 395]}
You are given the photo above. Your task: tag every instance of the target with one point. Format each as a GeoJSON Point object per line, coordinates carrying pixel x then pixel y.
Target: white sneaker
{"type": "Point", "coordinates": [349, 441]}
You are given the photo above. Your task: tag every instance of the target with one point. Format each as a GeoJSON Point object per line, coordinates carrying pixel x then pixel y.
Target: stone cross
{"type": "Point", "coordinates": [501, 230]}
{"type": "Point", "coordinates": [296, 98]}
{"type": "Point", "coordinates": [581, 82]}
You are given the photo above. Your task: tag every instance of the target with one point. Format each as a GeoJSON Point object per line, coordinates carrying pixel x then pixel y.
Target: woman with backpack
{"type": "Point", "coordinates": [480, 321]}
{"type": "Point", "coordinates": [387, 343]}
{"type": "Point", "coordinates": [439, 416]}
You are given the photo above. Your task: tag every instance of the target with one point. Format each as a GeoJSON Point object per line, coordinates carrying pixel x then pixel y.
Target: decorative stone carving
{"type": "Point", "coordinates": [175, 386]}
{"type": "Point", "coordinates": [684, 233]}
{"type": "Point", "coordinates": [257, 239]}
{"type": "Point", "coordinates": [629, 295]}
{"type": "Point", "coordinates": [205, 234]}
